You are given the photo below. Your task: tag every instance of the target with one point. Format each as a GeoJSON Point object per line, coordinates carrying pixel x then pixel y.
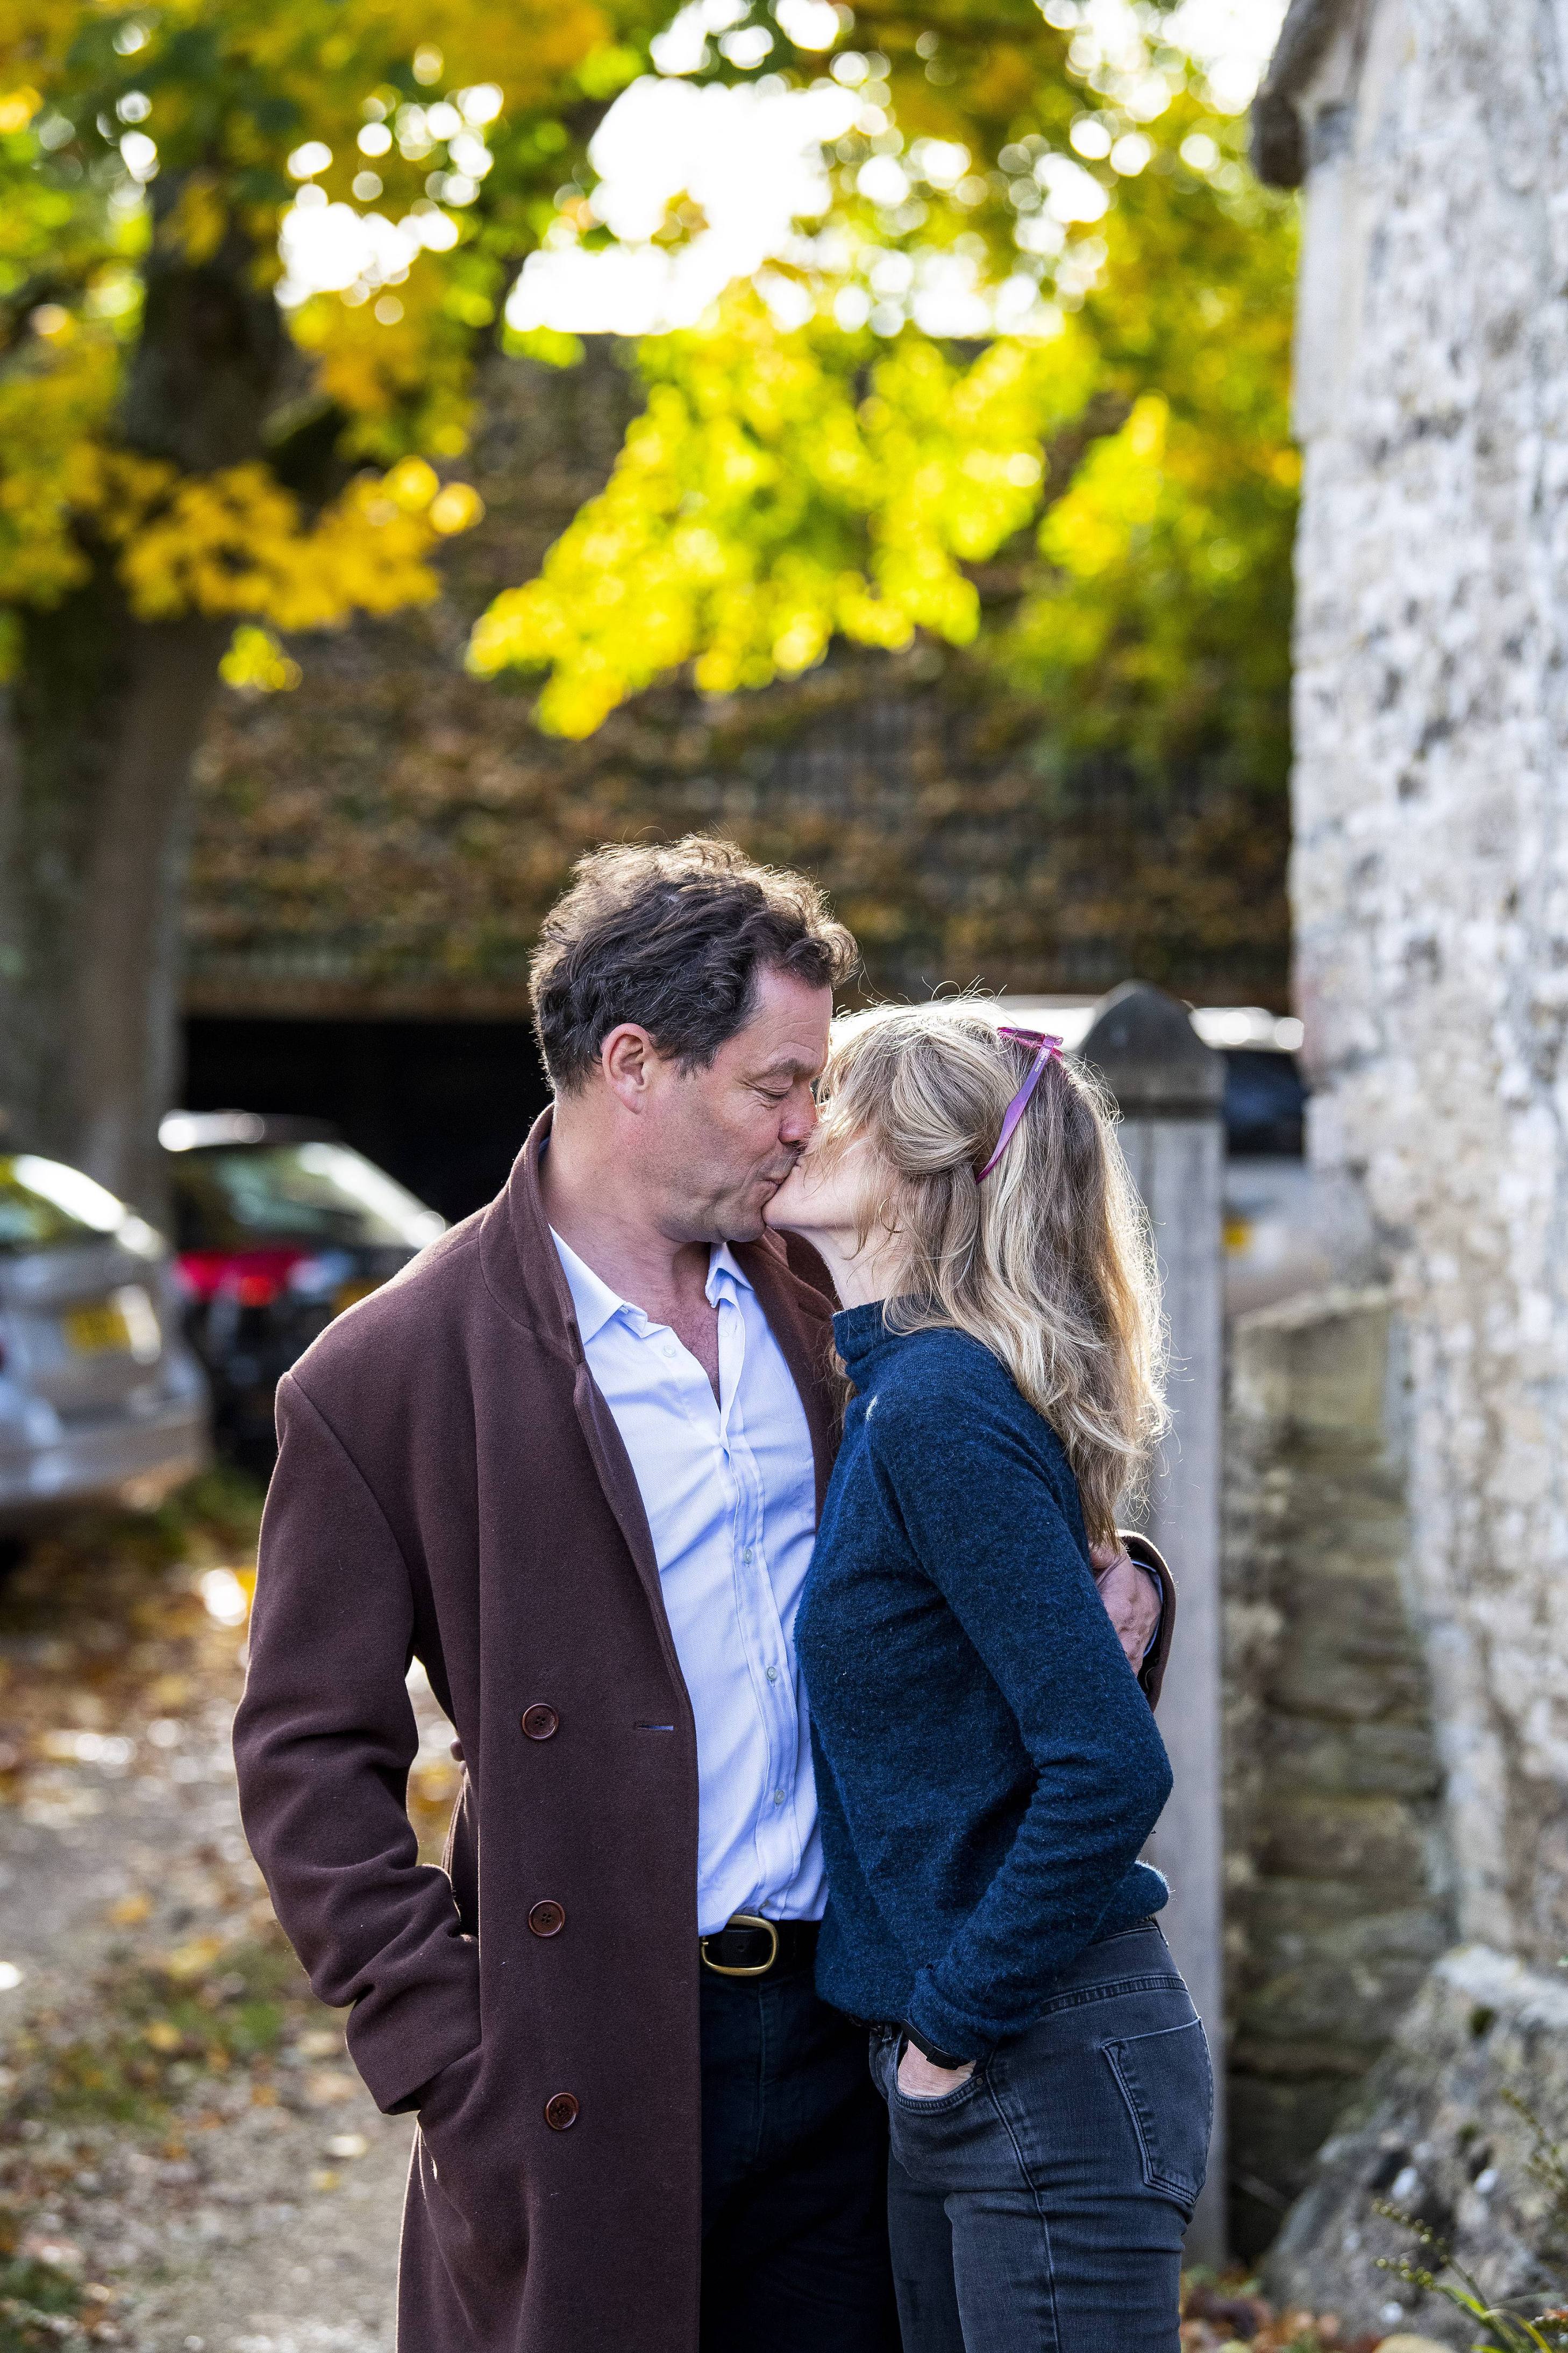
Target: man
{"type": "Point", "coordinates": [572, 1461]}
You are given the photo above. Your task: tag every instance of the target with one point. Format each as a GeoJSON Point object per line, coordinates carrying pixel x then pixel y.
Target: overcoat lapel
{"type": "Point", "coordinates": [806, 1344]}
{"type": "Point", "coordinates": [545, 1279]}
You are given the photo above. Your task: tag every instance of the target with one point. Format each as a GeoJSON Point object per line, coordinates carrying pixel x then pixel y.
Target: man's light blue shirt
{"type": "Point", "coordinates": [729, 1487]}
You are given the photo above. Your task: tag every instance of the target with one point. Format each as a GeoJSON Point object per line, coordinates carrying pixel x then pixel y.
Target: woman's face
{"type": "Point", "coordinates": [826, 1194]}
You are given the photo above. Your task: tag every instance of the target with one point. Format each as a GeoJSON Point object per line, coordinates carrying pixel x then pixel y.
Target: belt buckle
{"type": "Point", "coordinates": [741, 1920]}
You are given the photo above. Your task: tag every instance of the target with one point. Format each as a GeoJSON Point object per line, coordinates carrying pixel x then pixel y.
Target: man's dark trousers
{"type": "Point", "coordinates": [795, 2174]}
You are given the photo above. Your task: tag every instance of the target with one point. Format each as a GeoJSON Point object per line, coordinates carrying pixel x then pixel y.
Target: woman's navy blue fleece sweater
{"type": "Point", "coordinates": [987, 1767]}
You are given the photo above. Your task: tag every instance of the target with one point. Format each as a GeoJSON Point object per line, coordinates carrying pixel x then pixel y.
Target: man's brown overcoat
{"type": "Point", "coordinates": [451, 1487]}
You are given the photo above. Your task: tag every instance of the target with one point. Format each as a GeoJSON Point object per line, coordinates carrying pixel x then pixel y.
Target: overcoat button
{"type": "Point", "coordinates": [561, 2111]}
{"type": "Point", "coordinates": [547, 1919]}
{"type": "Point", "coordinates": [540, 1721]}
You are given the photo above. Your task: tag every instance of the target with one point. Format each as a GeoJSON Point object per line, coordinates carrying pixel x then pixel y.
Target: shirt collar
{"type": "Point", "coordinates": [593, 1302]}
{"type": "Point", "coordinates": [725, 1273]}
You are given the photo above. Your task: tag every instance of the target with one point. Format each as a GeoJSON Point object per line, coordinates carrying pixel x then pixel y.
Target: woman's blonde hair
{"type": "Point", "coordinates": [1049, 1263]}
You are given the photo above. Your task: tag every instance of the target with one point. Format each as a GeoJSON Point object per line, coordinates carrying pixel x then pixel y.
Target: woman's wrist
{"type": "Point", "coordinates": [929, 2051]}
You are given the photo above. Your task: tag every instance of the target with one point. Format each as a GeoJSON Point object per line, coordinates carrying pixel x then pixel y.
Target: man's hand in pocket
{"type": "Point", "coordinates": [1131, 1599]}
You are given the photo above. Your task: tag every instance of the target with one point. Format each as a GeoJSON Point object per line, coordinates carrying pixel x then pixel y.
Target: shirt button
{"type": "Point", "coordinates": [749, 1553]}
{"type": "Point", "coordinates": [778, 1797]}
{"type": "Point", "coordinates": [561, 2111]}
{"type": "Point", "coordinates": [667, 1349]}
{"type": "Point", "coordinates": [772, 1674]}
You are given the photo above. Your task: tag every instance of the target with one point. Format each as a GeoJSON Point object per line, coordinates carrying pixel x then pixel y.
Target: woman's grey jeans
{"type": "Point", "coordinates": [1040, 2207]}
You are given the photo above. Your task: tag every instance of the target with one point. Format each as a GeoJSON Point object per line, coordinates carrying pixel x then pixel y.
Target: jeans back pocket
{"type": "Point", "coordinates": [1167, 2082]}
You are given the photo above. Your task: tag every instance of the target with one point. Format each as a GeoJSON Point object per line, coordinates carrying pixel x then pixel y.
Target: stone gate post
{"type": "Point", "coordinates": [1168, 1086]}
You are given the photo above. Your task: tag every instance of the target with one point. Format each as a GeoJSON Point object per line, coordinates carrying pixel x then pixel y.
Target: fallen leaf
{"type": "Point", "coordinates": [163, 2035]}
{"type": "Point", "coordinates": [194, 1960]}
{"type": "Point", "coordinates": [129, 1909]}
{"type": "Point", "coordinates": [320, 2043]}
{"type": "Point", "coordinates": [328, 2085]}
{"type": "Point", "coordinates": [324, 2178]}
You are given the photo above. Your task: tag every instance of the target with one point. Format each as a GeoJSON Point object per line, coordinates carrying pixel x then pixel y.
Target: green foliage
{"type": "Point", "coordinates": [40, 2305]}
{"type": "Point", "coordinates": [781, 489]}
{"type": "Point", "coordinates": [1104, 506]}
{"type": "Point", "coordinates": [1159, 628]}
{"type": "Point", "coordinates": [1090, 488]}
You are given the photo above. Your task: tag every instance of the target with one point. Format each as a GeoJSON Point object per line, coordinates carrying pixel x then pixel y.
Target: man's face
{"type": "Point", "coordinates": [719, 1142]}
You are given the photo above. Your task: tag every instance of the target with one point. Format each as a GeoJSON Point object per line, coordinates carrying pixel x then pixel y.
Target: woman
{"type": "Point", "coordinates": [988, 1766]}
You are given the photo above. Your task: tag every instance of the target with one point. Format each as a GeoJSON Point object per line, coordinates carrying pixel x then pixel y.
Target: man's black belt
{"type": "Point", "coordinates": [749, 1947]}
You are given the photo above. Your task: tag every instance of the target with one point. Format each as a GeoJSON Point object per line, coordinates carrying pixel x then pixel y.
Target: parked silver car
{"type": "Point", "coordinates": [100, 1398]}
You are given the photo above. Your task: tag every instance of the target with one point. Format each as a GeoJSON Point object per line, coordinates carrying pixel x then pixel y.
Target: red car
{"type": "Point", "coordinates": [279, 1226]}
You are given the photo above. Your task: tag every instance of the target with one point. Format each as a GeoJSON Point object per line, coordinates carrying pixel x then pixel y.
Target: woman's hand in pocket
{"type": "Point", "coordinates": [920, 2079]}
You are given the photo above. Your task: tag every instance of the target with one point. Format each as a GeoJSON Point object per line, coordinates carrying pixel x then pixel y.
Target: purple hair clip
{"type": "Point", "coordinates": [1049, 1049]}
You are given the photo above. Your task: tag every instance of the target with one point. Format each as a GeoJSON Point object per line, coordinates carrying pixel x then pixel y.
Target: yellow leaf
{"type": "Point", "coordinates": [457, 508]}
{"type": "Point", "coordinates": [188, 1962]}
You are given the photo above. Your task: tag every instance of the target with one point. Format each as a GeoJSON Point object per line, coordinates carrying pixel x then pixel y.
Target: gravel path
{"type": "Point", "coordinates": [255, 2208]}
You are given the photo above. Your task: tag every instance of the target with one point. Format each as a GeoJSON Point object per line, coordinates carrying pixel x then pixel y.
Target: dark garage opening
{"type": "Point", "coordinates": [442, 1106]}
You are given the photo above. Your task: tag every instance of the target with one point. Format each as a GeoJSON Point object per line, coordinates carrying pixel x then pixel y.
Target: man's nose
{"type": "Point", "coordinates": [799, 1119]}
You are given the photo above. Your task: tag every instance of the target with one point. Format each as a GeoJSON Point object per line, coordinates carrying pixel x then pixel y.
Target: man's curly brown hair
{"type": "Point", "coordinates": [674, 938]}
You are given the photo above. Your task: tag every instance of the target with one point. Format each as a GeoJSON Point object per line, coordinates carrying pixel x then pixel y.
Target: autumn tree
{"type": "Point", "coordinates": [1022, 382]}
{"type": "Point", "coordinates": [180, 453]}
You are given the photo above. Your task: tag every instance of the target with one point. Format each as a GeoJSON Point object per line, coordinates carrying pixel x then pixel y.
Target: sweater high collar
{"type": "Point", "coordinates": [863, 1339]}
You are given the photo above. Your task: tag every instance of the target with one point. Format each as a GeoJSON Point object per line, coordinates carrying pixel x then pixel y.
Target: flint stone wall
{"type": "Point", "coordinates": [1431, 863]}
{"type": "Point", "coordinates": [1430, 890]}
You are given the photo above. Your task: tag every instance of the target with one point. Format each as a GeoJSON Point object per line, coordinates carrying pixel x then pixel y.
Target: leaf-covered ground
{"type": "Point", "coordinates": [188, 2163]}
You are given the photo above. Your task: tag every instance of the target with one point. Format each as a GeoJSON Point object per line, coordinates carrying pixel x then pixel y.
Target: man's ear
{"type": "Point", "coordinates": [626, 1060]}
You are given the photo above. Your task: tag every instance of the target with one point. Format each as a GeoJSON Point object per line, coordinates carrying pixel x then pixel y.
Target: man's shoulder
{"type": "Point", "coordinates": [432, 1297]}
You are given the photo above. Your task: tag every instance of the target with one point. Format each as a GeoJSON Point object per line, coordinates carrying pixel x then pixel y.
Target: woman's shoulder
{"type": "Point", "coordinates": [940, 1383]}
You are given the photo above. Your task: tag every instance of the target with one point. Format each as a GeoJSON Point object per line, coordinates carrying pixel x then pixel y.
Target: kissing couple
{"type": "Point", "coordinates": [745, 1480]}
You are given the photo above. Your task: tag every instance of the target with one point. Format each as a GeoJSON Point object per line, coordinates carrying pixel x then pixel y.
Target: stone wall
{"type": "Point", "coordinates": [1451, 2127]}
{"type": "Point", "coordinates": [1431, 858]}
{"type": "Point", "coordinates": [1430, 894]}
{"type": "Point", "coordinates": [1337, 1901]}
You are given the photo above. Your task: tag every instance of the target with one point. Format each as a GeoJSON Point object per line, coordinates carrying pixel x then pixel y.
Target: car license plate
{"type": "Point", "coordinates": [98, 1328]}
{"type": "Point", "coordinates": [349, 1294]}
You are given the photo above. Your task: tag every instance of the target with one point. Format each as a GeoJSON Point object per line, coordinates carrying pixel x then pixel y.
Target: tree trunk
{"type": "Point", "coordinates": [96, 748]}
{"type": "Point", "coordinates": [104, 721]}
